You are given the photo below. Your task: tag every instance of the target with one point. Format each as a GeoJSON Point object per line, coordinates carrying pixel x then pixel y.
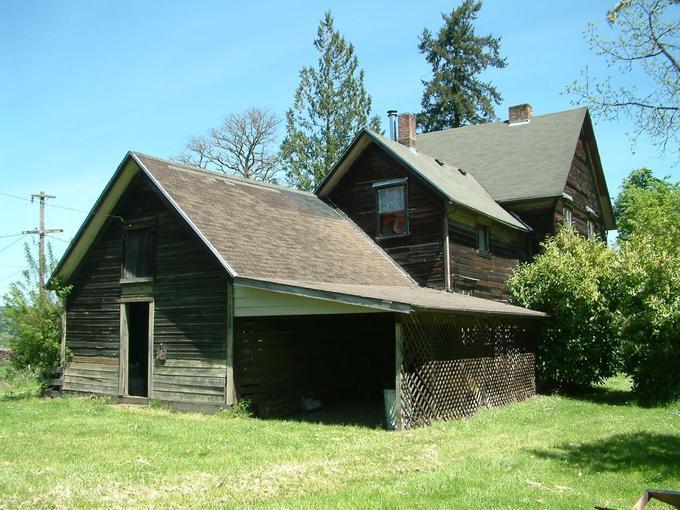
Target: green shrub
{"type": "Point", "coordinates": [33, 320]}
{"type": "Point", "coordinates": [241, 409]}
{"type": "Point", "coordinates": [573, 281]}
{"type": "Point", "coordinates": [649, 318]}
{"type": "Point", "coordinates": [649, 284]}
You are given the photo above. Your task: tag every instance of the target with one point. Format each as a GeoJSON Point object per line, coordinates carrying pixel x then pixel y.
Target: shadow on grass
{"type": "Point", "coordinates": [612, 397]}
{"type": "Point", "coordinates": [639, 451]}
{"type": "Point", "coordinates": [367, 414]}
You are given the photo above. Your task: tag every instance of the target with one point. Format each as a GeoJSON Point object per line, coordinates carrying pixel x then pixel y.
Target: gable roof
{"type": "Point", "coordinates": [268, 235]}
{"type": "Point", "coordinates": [459, 188]}
{"type": "Point", "coordinates": [513, 162]}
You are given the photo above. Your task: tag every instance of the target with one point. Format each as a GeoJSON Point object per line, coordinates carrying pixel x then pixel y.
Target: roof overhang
{"type": "Point", "coordinates": [376, 297]}
{"type": "Point", "coordinates": [364, 139]}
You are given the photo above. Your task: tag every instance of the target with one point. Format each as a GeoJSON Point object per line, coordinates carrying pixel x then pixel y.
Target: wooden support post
{"type": "Point", "coordinates": [398, 418]}
{"type": "Point", "coordinates": [229, 389]}
{"type": "Point", "coordinates": [446, 253]}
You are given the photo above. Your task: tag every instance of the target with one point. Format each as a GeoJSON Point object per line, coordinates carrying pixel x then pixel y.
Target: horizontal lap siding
{"type": "Point", "coordinates": [190, 292]}
{"type": "Point", "coordinates": [507, 249]}
{"type": "Point", "coordinates": [93, 317]}
{"type": "Point", "coordinates": [582, 188]}
{"type": "Point", "coordinates": [420, 252]}
{"type": "Point", "coordinates": [190, 309]}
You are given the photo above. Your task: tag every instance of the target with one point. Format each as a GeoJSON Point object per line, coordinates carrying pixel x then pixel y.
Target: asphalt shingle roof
{"type": "Point", "coordinates": [512, 162]}
{"type": "Point", "coordinates": [269, 231]}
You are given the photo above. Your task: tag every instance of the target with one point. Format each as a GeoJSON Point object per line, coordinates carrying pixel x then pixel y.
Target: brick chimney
{"type": "Point", "coordinates": [407, 130]}
{"type": "Point", "coordinates": [520, 113]}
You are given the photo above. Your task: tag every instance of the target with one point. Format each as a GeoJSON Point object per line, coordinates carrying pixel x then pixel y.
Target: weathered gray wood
{"type": "Point", "coordinates": [229, 388]}
{"type": "Point", "coordinates": [398, 340]}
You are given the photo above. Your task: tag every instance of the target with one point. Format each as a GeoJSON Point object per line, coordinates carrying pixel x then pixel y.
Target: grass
{"type": "Point", "coordinates": [549, 452]}
{"type": "Point", "coordinates": [17, 384]}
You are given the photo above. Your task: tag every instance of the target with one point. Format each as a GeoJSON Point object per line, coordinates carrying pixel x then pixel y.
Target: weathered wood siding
{"type": "Point", "coordinates": [280, 359]}
{"type": "Point", "coordinates": [93, 317]}
{"type": "Point", "coordinates": [250, 302]}
{"type": "Point", "coordinates": [581, 186]}
{"type": "Point", "coordinates": [507, 247]}
{"type": "Point", "coordinates": [420, 251]}
{"type": "Point", "coordinates": [190, 308]}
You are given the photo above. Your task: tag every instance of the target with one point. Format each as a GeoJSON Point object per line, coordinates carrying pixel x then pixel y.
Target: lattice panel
{"type": "Point", "coordinates": [453, 365]}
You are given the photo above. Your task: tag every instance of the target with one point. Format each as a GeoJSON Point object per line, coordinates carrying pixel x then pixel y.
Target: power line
{"type": "Point", "coordinates": [59, 239]}
{"type": "Point", "coordinates": [12, 243]}
{"type": "Point", "coordinates": [10, 235]}
{"type": "Point", "coordinates": [65, 208]}
{"type": "Point", "coordinates": [42, 232]}
{"type": "Point", "coordinates": [13, 274]}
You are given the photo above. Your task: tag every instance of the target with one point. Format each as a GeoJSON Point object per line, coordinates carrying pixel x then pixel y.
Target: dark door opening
{"type": "Point", "coordinates": [138, 349]}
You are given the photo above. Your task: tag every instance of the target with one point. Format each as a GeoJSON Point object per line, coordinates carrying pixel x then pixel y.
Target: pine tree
{"type": "Point", "coordinates": [456, 96]}
{"type": "Point", "coordinates": [330, 106]}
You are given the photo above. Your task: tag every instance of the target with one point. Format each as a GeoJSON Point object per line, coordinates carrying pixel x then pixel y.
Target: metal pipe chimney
{"type": "Point", "coordinates": [392, 121]}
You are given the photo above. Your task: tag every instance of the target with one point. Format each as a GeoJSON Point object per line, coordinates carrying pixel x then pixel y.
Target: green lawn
{"type": "Point", "coordinates": [550, 452]}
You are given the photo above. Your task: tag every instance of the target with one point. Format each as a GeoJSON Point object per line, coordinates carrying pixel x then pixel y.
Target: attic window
{"type": "Point", "coordinates": [392, 208]}
{"type": "Point", "coordinates": [138, 261]}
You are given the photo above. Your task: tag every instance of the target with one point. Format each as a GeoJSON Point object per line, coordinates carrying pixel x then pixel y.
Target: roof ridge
{"type": "Point", "coordinates": [228, 177]}
{"type": "Point", "coordinates": [499, 122]}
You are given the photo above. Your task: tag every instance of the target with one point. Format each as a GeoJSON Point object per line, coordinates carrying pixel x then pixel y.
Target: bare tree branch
{"type": "Point", "coordinates": [244, 144]}
{"type": "Point", "coordinates": [647, 41]}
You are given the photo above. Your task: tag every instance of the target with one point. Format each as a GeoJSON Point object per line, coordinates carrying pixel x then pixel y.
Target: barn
{"type": "Point", "coordinates": [200, 289]}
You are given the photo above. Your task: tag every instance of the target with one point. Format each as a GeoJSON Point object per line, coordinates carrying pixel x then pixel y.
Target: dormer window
{"type": "Point", "coordinates": [392, 207]}
{"type": "Point", "coordinates": [138, 260]}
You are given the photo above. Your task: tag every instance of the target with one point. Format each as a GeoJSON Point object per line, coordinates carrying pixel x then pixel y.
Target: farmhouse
{"type": "Point", "coordinates": [199, 289]}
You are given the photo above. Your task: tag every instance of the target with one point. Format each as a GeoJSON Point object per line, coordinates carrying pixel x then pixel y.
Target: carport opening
{"type": "Point", "coordinates": [288, 365]}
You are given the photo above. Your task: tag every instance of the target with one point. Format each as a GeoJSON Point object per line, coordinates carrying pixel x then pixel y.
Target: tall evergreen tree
{"type": "Point", "coordinates": [456, 96]}
{"type": "Point", "coordinates": [331, 104]}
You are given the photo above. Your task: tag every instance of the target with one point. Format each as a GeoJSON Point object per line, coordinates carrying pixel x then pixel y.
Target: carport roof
{"type": "Point", "coordinates": [399, 298]}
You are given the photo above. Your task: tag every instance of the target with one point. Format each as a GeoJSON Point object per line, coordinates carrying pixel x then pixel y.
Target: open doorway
{"type": "Point", "coordinates": [138, 347]}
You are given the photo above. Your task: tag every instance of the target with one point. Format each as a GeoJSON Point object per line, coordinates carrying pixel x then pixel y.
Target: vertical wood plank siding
{"type": "Point", "coordinates": [279, 359]}
{"type": "Point", "coordinates": [419, 252]}
{"type": "Point", "coordinates": [190, 296]}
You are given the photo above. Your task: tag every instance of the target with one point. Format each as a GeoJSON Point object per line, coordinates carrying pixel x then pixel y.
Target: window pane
{"type": "Point", "coordinates": [391, 199]}
{"type": "Point", "coordinates": [483, 238]}
{"type": "Point", "coordinates": [391, 224]}
{"type": "Point", "coordinates": [138, 254]}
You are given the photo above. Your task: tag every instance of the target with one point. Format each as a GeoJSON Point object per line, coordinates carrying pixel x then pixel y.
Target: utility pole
{"type": "Point", "coordinates": [42, 231]}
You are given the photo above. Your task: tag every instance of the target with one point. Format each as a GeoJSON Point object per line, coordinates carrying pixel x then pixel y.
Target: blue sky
{"type": "Point", "coordinates": [83, 82]}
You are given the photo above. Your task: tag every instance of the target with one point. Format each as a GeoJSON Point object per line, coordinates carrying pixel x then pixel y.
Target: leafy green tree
{"type": "Point", "coordinates": [573, 280]}
{"type": "Point", "coordinates": [33, 318]}
{"type": "Point", "coordinates": [647, 204]}
{"type": "Point", "coordinates": [644, 49]}
{"type": "Point", "coordinates": [331, 104]}
{"type": "Point", "coordinates": [649, 284]}
{"type": "Point", "coordinates": [456, 96]}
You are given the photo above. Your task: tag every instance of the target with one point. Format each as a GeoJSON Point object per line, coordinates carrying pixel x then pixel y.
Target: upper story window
{"type": "Point", "coordinates": [483, 238]}
{"type": "Point", "coordinates": [392, 207]}
{"type": "Point", "coordinates": [591, 230]}
{"type": "Point", "coordinates": [138, 255]}
{"type": "Point", "coordinates": [566, 212]}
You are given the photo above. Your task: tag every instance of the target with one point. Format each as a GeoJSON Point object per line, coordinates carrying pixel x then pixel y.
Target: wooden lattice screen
{"type": "Point", "coordinates": [452, 365]}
